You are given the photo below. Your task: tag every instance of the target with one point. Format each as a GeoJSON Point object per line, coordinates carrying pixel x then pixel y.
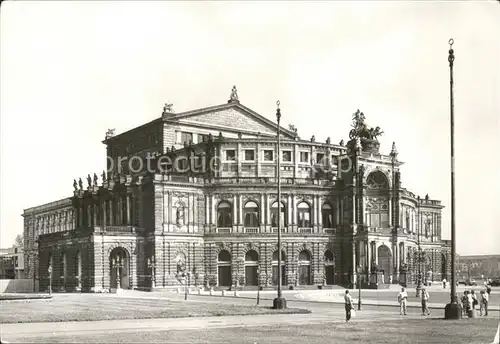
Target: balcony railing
{"type": "Point", "coordinates": [305, 230]}
{"type": "Point", "coordinates": [252, 230]}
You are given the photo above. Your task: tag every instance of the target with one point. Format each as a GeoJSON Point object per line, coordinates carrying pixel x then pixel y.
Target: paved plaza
{"type": "Point", "coordinates": [325, 321]}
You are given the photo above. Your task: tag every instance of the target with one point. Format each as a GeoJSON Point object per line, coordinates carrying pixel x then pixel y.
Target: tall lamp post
{"type": "Point", "coordinates": [49, 269]}
{"type": "Point", "coordinates": [453, 310]}
{"type": "Point", "coordinates": [419, 252]}
{"type": "Point", "coordinates": [359, 287]}
{"type": "Point", "coordinates": [186, 283]}
{"type": "Point", "coordinates": [280, 301]}
{"type": "Point", "coordinates": [258, 284]}
{"type": "Point", "coordinates": [151, 265]}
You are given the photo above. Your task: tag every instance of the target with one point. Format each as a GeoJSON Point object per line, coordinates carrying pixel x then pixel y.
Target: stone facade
{"type": "Point", "coordinates": [212, 218]}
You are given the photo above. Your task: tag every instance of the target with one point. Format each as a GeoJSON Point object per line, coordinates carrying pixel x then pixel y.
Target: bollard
{"type": "Point", "coordinates": [211, 292]}
{"type": "Point", "coordinates": [223, 293]}
{"type": "Point", "coordinates": [236, 294]}
{"type": "Point", "coordinates": [178, 290]}
{"type": "Point", "coordinates": [199, 291]}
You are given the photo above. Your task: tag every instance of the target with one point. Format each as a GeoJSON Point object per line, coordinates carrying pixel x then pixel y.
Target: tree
{"type": "Point", "coordinates": [19, 241]}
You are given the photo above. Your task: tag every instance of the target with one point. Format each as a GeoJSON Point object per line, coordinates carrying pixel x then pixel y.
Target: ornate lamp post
{"type": "Point", "coordinates": [49, 270]}
{"type": "Point", "coordinates": [359, 286]}
{"type": "Point", "coordinates": [117, 264]}
{"type": "Point", "coordinates": [258, 284]}
{"type": "Point", "coordinates": [280, 301]}
{"type": "Point", "coordinates": [453, 309]}
{"type": "Point", "coordinates": [151, 265]}
{"type": "Point", "coordinates": [419, 252]}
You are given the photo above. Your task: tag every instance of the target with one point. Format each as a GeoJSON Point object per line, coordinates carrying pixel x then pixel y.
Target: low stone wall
{"type": "Point", "coordinates": [18, 286]}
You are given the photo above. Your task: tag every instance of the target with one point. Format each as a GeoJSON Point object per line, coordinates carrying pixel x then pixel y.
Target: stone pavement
{"type": "Point", "coordinates": [27, 331]}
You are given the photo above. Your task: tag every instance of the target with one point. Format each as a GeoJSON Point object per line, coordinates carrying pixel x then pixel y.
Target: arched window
{"type": "Point", "coordinates": [377, 180]}
{"type": "Point", "coordinates": [251, 214]}
{"type": "Point", "coordinates": [329, 257]}
{"type": "Point", "coordinates": [327, 215]}
{"type": "Point", "coordinates": [303, 215]}
{"type": "Point", "coordinates": [408, 221]}
{"type": "Point", "coordinates": [252, 256]}
{"type": "Point", "coordinates": [275, 256]}
{"type": "Point", "coordinates": [274, 215]}
{"type": "Point", "coordinates": [224, 256]}
{"type": "Point", "coordinates": [224, 215]}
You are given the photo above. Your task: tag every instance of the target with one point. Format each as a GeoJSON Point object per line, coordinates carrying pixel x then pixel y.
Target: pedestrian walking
{"type": "Point", "coordinates": [425, 299]}
{"type": "Point", "coordinates": [488, 288]}
{"type": "Point", "coordinates": [348, 305]}
{"type": "Point", "coordinates": [465, 302]}
{"type": "Point", "coordinates": [444, 283]}
{"type": "Point", "coordinates": [402, 298]}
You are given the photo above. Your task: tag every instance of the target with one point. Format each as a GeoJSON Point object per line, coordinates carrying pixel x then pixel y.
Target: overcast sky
{"type": "Point", "coordinates": [69, 71]}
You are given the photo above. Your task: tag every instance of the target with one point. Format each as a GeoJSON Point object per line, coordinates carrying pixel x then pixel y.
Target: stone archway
{"type": "Point", "coordinates": [251, 267]}
{"type": "Point", "coordinates": [384, 262]}
{"type": "Point", "coordinates": [224, 269]}
{"type": "Point", "coordinates": [329, 268]}
{"type": "Point", "coordinates": [305, 276]}
{"type": "Point", "coordinates": [119, 268]}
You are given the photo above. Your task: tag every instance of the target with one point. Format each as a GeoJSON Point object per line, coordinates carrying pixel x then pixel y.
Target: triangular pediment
{"type": "Point", "coordinates": [234, 116]}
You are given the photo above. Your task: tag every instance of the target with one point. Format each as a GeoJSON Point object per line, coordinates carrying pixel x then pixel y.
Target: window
{"type": "Point", "coordinates": [186, 137]}
{"type": "Point", "coordinates": [320, 158]}
{"type": "Point", "coordinates": [304, 157]}
{"type": "Point", "coordinates": [274, 215]}
{"type": "Point", "coordinates": [251, 214]}
{"type": "Point", "coordinates": [268, 155]}
{"type": "Point", "coordinates": [304, 215]}
{"type": "Point", "coordinates": [202, 138]}
{"type": "Point", "coordinates": [327, 215]}
{"type": "Point", "coordinates": [224, 216]}
{"type": "Point", "coordinates": [230, 155]}
{"type": "Point", "coordinates": [152, 139]}
{"type": "Point", "coordinates": [286, 156]}
{"type": "Point", "coordinates": [249, 155]}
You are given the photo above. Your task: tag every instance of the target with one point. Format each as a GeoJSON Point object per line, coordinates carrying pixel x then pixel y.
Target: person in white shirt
{"type": "Point", "coordinates": [348, 305]}
{"type": "Point", "coordinates": [402, 298]}
{"type": "Point", "coordinates": [484, 303]}
{"type": "Point", "coordinates": [425, 298]}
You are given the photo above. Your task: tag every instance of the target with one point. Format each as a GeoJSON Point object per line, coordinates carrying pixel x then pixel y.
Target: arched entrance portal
{"type": "Point", "coordinates": [119, 267]}
{"type": "Point", "coordinates": [329, 268]}
{"type": "Point", "coordinates": [275, 268]}
{"type": "Point", "coordinates": [384, 262]}
{"type": "Point", "coordinates": [224, 268]}
{"type": "Point", "coordinates": [304, 268]}
{"type": "Point", "coordinates": [251, 264]}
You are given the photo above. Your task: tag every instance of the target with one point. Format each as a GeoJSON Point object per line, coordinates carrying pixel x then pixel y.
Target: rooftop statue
{"type": "Point", "coordinates": [89, 180]}
{"type": "Point", "coordinates": [103, 175]}
{"type": "Point", "coordinates": [110, 133]}
{"type": "Point", "coordinates": [362, 130]}
{"type": "Point", "coordinates": [80, 183]}
{"type": "Point", "coordinates": [75, 185]}
{"type": "Point", "coordinates": [95, 179]}
{"type": "Point", "coordinates": [234, 94]}
{"type": "Point", "coordinates": [168, 108]}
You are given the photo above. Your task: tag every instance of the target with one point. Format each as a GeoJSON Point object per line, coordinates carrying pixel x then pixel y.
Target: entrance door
{"type": "Point", "coordinates": [251, 275]}
{"type": "Point", "coordinates": [224, 276]}
{"type": "Point", "coordinates": [330, 274]}
{"type": "Point", "coordinates": [304, 274]}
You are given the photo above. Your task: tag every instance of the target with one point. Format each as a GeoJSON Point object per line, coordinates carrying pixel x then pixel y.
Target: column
{"type": "Point", "coordinates": [235, 210]}
{"type": "Point", "coordinates": [240, 210]}
{"type": "Point", "coordinates": [189, 210]}
{"type": "Point", "coordinates": [104, 208]}
{"type": "Point", "coordinates": [128, 209]}
{"type": "Point", "coordinates": [294, 210]}
{"type": "Point", "coordinates": [354, 262]}
{"type": "Point", "coordinates": [320, 218]}
{"type": "Point", "coordinates": [207, 210]}
{"type": "Point", "coordinates": [195, 212]}
{"type": "Point", "coordinates": [363, 216]}
{"type": "Point", "coordinates": [111, 212]}
{"type": "Point", "coordinates": [212, 210]}
{"type": "Point", "coordinates": [169, 209]}
{"type": "Point", "coordinates": [262, 210]}
{"type": "Point", "coordinates": [89, 216]}
{"type": "Point", "coordinates": [268, 210]}
{"type": "Point", "coordinates": [96, 214]}
{"type": "Point", "coordinates": [390, 211]}
{"type": "Point", "coordinates": [165, 205]}
{"type": "Point", "coordinates": [289, 211]}
{"type": "Point", "coordinates": [368, 256]}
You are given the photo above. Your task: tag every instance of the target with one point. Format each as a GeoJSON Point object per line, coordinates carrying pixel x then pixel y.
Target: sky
{"type": "Point", "coordinates": [71, 70]}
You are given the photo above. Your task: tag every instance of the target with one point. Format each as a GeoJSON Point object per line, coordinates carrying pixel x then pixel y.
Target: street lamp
{"type": "Point", "coordinates": [280, 301]}
{"type": "Point", "coordinates": [359, 287]}
{"type": "Point", "coordinates": [151, 265]}
{"type": "Point", "coordinates": [186, 282]}
{"type": "Point", "coordinates": [419, 252]}
{"type": "Point", "coordinates": [258, 284]}
{"type": "Point", "coordinates": [49, 269]}
{"type": "Point", "coordinates": [117, 264]}
{"type": "Point", "coordinates": [453, 310]}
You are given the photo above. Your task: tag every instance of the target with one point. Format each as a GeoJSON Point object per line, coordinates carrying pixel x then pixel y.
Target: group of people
{"type": "Point", "coordinates": [470, 301]}
{"type": "Point", "coordinates": [403, 299]}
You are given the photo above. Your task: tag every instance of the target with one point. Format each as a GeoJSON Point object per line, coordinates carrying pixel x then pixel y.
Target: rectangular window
{"type": "Point", "coordinates": [268, 155]}
{"type": "Point", "coordinates": [202, 138]}
{"type": "Point", "coordinates": [320, 158]}
{"type": "Point", "coordinates": [249, 154]}
{"type": "Point", "coordinates": [286, 156]}
{"type": "Point", "coordinates": [186, 137]}
{"type": "Point", "coordinates": [230, 155]}
{"type": "Point", "coordinates": [304, 157]}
